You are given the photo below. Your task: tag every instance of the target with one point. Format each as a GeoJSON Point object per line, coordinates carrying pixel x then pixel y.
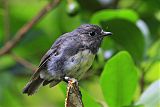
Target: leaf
{"type": "Point", "coordinates": [153, 73]}
{"type": "Point", "coordinates": [88, 101]}
{"type": "Point", "coordinates": [151, 96]}
{"type": "Point", "coordinates": [126, 34]}
{"type": "Point", "coordinates": [119, 80]}
{"type": "Point", "coordinates": [104, 15]}
{"type": "Point", "coordinates": [93, 88]}
{"type": "Point", "coordinates": [154, 50]}
{"type": "Point", "coordinates": [134, 106]}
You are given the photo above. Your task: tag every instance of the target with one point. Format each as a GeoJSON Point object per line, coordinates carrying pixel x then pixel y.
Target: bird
{"type": "Point", "coordinates": [71, 55]}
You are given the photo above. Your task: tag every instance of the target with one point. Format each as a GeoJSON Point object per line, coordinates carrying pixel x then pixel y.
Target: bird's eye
{"type": "Point", "coordinates": [92, 33]}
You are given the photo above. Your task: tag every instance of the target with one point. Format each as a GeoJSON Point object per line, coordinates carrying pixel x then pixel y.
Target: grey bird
{"type": "Point", "coordinates": [71, 55]}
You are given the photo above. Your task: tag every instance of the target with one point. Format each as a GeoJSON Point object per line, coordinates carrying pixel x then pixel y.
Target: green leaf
{"type": "Point", "coordinates": [151, 96]}
{"type": "Point", "coordinates": [134, 106]}
{"type": "Point", "coordinates": [154, 50]}
{"type": "Point", "coordinates": [93, 88]}
{"type": "Point", "coordinates": [88, 101]}
{"type": "Point", "coordinates": [153, 73]}
{"type": "Point", "coordinates": [63, 87]}
{"type": "Point", "coordinates": [104, 15]}
{"type": "Point", "coordinates": [119, 80]}
{"type": "Point", "coordinates": [126, 34]}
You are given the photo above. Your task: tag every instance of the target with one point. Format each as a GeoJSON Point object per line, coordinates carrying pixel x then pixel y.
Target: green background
{"type": "Point", "coordinates": [126, 70]}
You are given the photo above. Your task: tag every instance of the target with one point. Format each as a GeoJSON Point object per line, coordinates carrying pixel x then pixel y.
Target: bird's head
{"type": "Point", "coordinates": [90, 31]}
{"type": "Point", "coordinates": [92, 35]}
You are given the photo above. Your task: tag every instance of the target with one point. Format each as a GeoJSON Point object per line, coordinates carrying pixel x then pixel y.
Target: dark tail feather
{"type": "Point", "coordinates": [32, 86]}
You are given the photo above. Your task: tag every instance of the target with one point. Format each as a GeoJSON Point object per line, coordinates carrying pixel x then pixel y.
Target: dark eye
{"type": "Point", "coordinates": [92, 33]}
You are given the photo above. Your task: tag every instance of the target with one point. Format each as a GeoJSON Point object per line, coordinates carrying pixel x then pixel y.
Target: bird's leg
{"type": "Point", "coordinates": [69, 80]}
{"type": "Point", "coordinates": [66, 79]}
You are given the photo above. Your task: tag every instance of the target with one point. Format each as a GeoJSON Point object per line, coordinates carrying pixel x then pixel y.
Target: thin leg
{"type": "Point", "coordinates": [66, 79]}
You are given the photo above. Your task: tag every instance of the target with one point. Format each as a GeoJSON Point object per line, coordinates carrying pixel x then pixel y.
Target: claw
{"type": "Point", "coordinates": [69, 80]}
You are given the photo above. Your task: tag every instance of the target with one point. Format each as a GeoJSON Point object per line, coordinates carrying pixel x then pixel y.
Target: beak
{"type": "Point", "coordinates": [106, 33]}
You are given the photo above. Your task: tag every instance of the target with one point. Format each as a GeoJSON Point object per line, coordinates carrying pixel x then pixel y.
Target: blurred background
{"type": "Point", "coordinates": [126, 70]}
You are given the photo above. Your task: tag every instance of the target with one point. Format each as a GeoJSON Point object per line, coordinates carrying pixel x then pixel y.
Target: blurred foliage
{"type": "Point", "coordinates": [126, 71]}
{"type": "Point", "coordinates": [114, 81]}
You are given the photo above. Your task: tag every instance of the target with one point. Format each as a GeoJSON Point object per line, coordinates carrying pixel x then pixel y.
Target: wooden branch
{"type": "Point", "coordinates": [74, 97]}
{"type": "Point", "coordinates": [22, 31]}
{"type": "Point", "coordinates": [6, 20]}
{"type": "Point", "coordinates": [24, 62]}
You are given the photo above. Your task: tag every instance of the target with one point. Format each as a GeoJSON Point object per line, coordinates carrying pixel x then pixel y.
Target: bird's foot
{"type": "Point", "coordinates": [69, 80]}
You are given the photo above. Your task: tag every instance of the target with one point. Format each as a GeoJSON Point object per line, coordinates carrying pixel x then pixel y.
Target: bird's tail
{"type": "Point", "coordinates": [32, 86]}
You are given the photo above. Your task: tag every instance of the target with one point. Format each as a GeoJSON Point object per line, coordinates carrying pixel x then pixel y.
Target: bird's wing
{"type": "Point", "coordinates": [72, 46]}
{"type": "Point", "coordinates": [54, 50]}
{"type": "Point", "coordinates": [46, 57]}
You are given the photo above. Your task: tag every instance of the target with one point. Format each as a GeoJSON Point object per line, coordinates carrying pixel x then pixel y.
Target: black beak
{"type": "Point", "coordinates": [106, 33]}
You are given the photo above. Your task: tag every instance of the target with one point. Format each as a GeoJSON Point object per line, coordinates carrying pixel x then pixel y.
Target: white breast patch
{"type": "Point", "coordinates": [78, 64]}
